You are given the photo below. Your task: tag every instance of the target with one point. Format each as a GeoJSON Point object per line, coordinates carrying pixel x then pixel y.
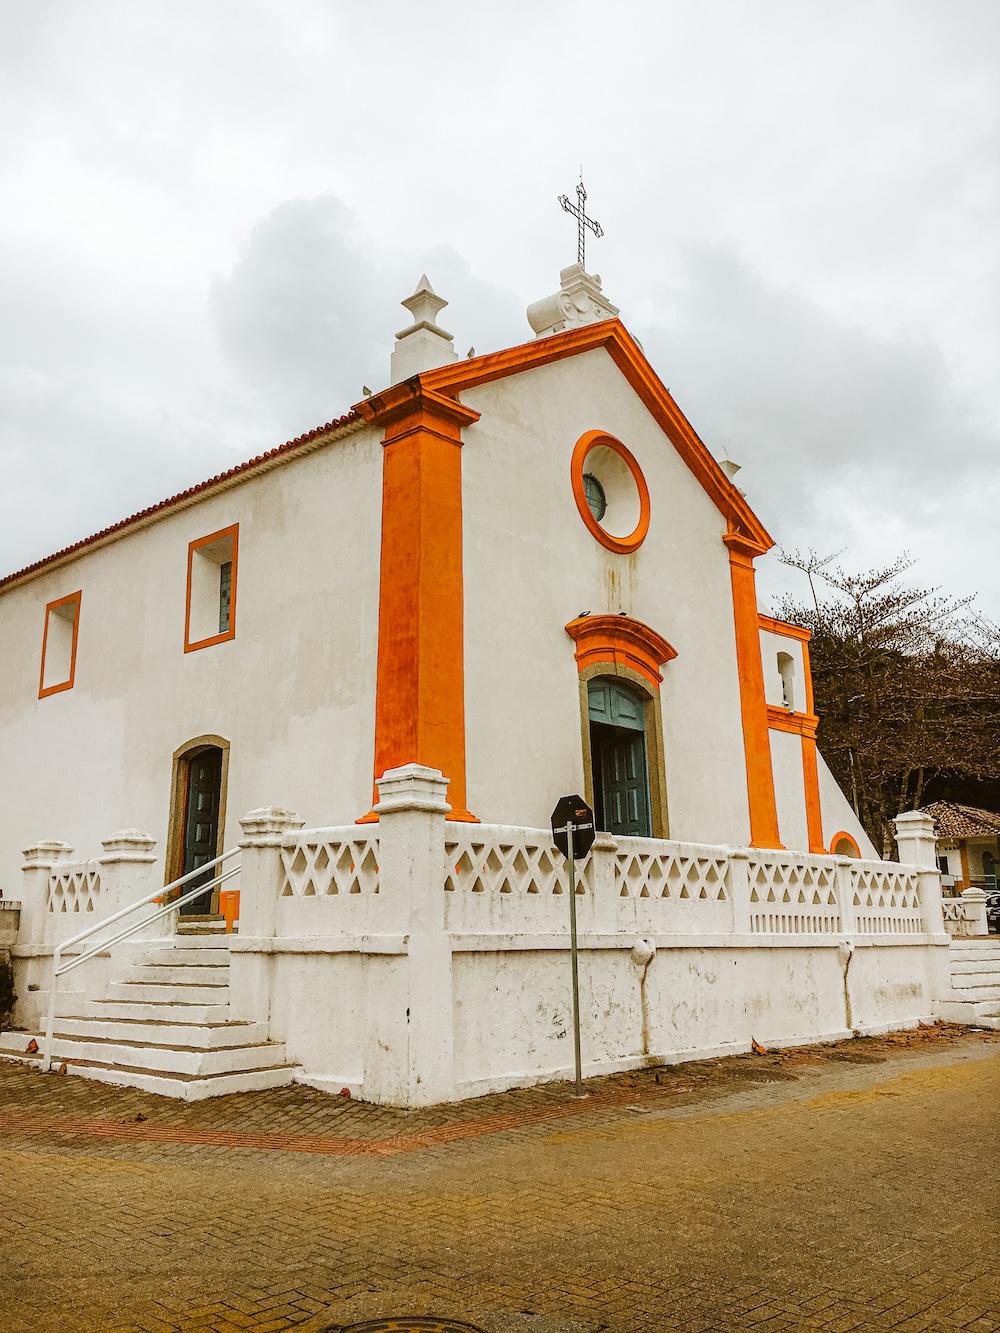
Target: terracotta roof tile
{"type": "Point", "coordinates": [181, 496]}
{"type": "Point", "coordinates": [962, 821]}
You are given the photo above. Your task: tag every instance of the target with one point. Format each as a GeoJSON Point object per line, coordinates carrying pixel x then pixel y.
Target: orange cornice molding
{"type": "Point", "coordinates": [785, 629]}
{"type": "Point", "coordinates": [405, 406]}
{"type": "Point", "coordinates": [420, 675]}
{"type": "Point", "coordinates": [614, 338]}
{"type": "Point", "coordinates": [621, 640]}
{"type": "Point", "coordinates": [802, 724]}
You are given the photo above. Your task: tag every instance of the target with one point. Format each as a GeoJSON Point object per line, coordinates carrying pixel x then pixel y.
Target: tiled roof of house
{"type": "Point", "coordinates": [962, 821]}
{"type": "Point", "coordinates": [181, 497]}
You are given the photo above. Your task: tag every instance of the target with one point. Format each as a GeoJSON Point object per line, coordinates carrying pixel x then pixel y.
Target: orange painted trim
{"type": "Point", "coordinates": [595, 439]}
{"type": "Point", "coordinates": [67, 684]}
{"type": "Point", "coordinates": [807, 677]}
{"type": "Point", "coordinates": [621, 640]}
{"type": "Point", "coordinates": [615, 339]}
{"type": "Point", "coordinates": [844, 837]}
{"type": "Point", "coordinates": [190, 645]}
{"type": "Point", "coordinates": [761, 801]}
{"type": "Point", "coordinates": [785, 628]}
{"type": "Point", "coordinates": [420, 679]}
{"type": "Point", "coordinates": [802, 724]}
{"type": "Point", "coordinates": [810, 782]}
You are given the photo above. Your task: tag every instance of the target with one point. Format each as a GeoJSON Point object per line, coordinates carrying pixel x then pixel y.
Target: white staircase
{"type": "Point", "coordinates": [166, 1028]}
{"type": "Point", "coordinates": [975, 982]}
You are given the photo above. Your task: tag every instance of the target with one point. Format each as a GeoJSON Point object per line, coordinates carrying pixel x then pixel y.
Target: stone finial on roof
{"type": "Point", "coordinates": [579, 301]}
{"type": "Point", "coordinates": [422, 345]}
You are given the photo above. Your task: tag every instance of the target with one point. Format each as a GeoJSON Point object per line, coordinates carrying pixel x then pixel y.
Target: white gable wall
{"type": "Point", "coordinates": [531, 566]}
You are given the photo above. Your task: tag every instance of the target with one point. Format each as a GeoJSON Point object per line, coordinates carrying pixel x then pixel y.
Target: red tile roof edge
{"type": "Point", "coordinates": [181, 496]}
{"type": "Point", "coordinates": [954, 820]}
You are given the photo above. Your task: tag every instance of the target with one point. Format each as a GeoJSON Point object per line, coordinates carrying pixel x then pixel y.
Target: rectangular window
{"type": "Point", "coordinates": [211, 589]}
{"type": "Point", "coordinates": [62, 625]}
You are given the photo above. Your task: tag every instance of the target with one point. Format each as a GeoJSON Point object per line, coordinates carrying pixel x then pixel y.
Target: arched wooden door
{"type": "Point", "coordinates": [619, 757]}
{"type": "Point", "coordinates": [200, 832]}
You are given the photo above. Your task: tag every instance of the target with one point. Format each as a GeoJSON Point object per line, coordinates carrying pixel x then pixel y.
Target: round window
{"type": "Point", "coordinates": [596, 499]}
{"type": "Point", "coordinates": [610, 492]}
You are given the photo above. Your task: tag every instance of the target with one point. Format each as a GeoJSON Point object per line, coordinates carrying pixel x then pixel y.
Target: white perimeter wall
{"type": "Point", "coordinates": [293, 693]}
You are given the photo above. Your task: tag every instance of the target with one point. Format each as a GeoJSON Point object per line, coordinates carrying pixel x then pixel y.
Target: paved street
{"type": "Point", "coordinates": [832, 1188]}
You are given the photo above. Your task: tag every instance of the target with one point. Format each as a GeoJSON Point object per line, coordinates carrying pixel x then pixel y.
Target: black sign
{"type": "Point", "coordinates": [573, 810]}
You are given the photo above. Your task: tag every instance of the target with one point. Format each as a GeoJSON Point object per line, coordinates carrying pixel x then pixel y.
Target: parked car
{"type": "Point", "coordinates": [993, 912]}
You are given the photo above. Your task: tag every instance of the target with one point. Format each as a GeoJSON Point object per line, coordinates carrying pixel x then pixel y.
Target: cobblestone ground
{"type": "Point", "coordinates": [839, 1187]}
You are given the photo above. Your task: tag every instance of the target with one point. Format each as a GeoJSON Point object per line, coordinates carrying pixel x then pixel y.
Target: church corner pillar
{"type": "Point", "coordinates": [420, 690]}
{"type": "Point", "coordinates": [259, 881]}
{"type": "Point", "coordinates": [916, 843]}
{"type": "Point", "coordinates": [39, 860]}
{"type": "Point", "coordinates": [409, 1025]}
{"type": "Point", "coordinates": [753, 703]}
{"type": "Point", "coordinates": [127, 875]}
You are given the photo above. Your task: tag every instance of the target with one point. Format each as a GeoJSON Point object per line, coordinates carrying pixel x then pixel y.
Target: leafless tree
{"type": "Point", "coordinates": [906, 685]}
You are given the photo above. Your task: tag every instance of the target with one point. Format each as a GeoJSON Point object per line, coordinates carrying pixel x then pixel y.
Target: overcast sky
{"type": "Point", "coordinates": [211, 208]}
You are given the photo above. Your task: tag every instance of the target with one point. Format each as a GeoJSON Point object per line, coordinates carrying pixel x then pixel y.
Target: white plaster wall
{"type": "Point", "coordinates": [293, 693]}
{"type": "Point", "coordinates": [838, 814]}
{"type": "Point", "coordinates": [789, 789]}
{"type": "Point", "coordinates": [531, 566]}
{"type": "Point", "coordinates": [513, 1022]}
{"type": "Point", "coordinates": [318, 1010]}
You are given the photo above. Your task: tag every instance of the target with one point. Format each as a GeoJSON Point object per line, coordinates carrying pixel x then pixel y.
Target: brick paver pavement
{"type": "Point", "coordinates": [843, 1187]}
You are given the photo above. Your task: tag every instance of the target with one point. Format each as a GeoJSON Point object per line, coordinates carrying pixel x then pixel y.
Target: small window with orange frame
{"type": "Point", "coordinates": [59, 639]}
{"type": "Point", "coordinates": [211, 589]}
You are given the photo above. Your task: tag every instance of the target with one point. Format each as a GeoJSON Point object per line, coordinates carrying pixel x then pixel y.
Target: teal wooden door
{"type": "Point", "coordinates": [618, 756]}
{"type": "Point", "coordinates": [201, 823]}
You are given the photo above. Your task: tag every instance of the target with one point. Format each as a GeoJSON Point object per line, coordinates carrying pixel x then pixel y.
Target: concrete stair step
{"type": "Point", "coordinates": [167, 993]}
{"type": "Point", "coordinates": [977, 994]}
{"type": "Point", "coordinates": [13, 1044]}
{"type": "Point", "coordinates": [976, 977]}
{"type": "Point", "coordinates": [119, 1054]}
{"type": "Point", "coordinates": [165, 1032]}
{"type": "Point", "coordinates": [189, 1088]}
{"type": "Point", "coordinates": [178, 956]}
{"type": "Point", "coordinates": [155, 1012]}
{"type": "Point", "coordinates": [188, 974]}
{"type": "Point", "coordinates": [964, 949]}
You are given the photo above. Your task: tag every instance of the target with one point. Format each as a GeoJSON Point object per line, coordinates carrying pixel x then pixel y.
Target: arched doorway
{"type": "Point", "coordinates": [198, 816]}
{"type": "Point", "coordinates": [620, 765]}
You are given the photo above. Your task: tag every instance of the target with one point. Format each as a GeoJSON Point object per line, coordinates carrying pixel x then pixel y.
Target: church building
{"type": "Point", "coordinates": [367, 664]}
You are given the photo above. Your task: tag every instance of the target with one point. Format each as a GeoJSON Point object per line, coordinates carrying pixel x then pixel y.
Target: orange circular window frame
{"type": "Point", "coordinates": [594, 439]}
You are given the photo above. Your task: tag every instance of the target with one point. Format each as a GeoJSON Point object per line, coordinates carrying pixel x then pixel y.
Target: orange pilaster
{"type": "Point", "coordinates": [420, 692]}
{"type": "Point", "coordinates": [753, 703]}
{"type": "Point", "coordinates": [810, 777]}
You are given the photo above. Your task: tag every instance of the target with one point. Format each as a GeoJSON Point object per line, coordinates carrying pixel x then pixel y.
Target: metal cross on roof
{"type": "Point", "coordinates": [579, 211]}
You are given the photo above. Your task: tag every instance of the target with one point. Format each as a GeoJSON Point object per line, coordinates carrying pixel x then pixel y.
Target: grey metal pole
{"type": "Point", "coordinates": [570, 832]}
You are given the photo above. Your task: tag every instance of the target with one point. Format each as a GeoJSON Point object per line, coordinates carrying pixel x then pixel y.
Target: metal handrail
{"type": "Point", "coordinates": [156, 896]}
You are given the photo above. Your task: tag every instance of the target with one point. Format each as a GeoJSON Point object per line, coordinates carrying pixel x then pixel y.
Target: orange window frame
{"type": "Point", "coordinates": [192, 645]}
{"type": "Point", "coordinates": [594, 439]}
{"type": "Point", "coordinates": [43, 690]}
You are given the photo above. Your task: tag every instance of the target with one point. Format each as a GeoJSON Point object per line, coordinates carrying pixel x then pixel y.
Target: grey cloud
{"type": "Point", "coordinates": [309, 310]}
{"type": "Point", "coordinates": [807, 402]}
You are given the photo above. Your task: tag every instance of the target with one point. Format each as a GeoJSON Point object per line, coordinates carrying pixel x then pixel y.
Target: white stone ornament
{"type": "Point", "coordinates": [580, 301]}
{"type": "Point", "coordinates": [422, 345]}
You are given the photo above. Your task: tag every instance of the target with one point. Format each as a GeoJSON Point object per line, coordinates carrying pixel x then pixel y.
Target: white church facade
{"type": "Point", "coordinates": [368, 663]}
